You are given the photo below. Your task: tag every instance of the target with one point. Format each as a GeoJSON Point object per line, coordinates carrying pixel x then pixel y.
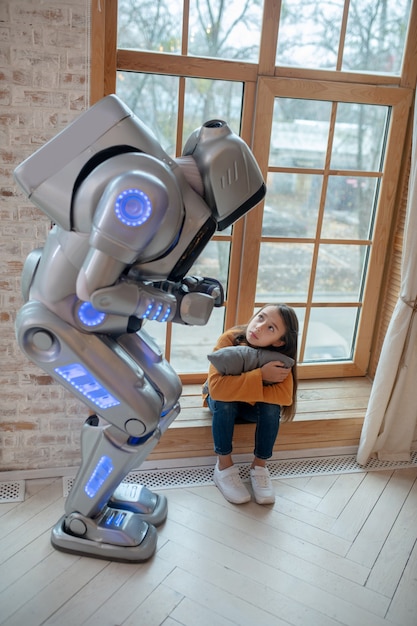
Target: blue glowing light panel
{"type": "Point", "coordinates": [114, 519]}
{"type": "Point", "coordinates": [80, 378]}
{"type": "Point", "coordinates": [99, 475]}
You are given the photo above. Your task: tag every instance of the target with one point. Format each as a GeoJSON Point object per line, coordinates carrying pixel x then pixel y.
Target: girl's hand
{"type": "Point", "coordinates": [274, 372]}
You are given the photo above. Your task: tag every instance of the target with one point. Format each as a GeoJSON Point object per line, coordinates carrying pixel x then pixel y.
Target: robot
{"type": "Point", "coordinates": [128, 224]}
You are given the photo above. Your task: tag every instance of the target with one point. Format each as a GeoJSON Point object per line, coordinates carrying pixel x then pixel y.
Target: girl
{"type": "Point", "coordinates": [261, 395]}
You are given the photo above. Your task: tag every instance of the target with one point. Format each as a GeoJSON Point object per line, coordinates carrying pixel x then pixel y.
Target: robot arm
{"type": "Point", "coordinates": [190, 302]}
{"type": "Point", "coordinates": [126, 230]}
{"type": "Point", "coordinates": [128, 209]}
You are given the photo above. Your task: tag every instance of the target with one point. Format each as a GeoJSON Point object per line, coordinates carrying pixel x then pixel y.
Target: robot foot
{"type": "Point", "coordinates": [151, 507]}
{"type": "Point", "coordinates": [115, 536]}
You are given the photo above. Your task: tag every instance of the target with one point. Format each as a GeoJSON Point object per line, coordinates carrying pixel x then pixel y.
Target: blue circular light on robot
{"type": "Point", "coordinates": [89, 316]}
{"type": "Point", "coordinates": [133, 207]}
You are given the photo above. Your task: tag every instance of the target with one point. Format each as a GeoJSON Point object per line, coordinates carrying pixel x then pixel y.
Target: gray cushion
{"type": "Point", "coordinates": [234, 360]}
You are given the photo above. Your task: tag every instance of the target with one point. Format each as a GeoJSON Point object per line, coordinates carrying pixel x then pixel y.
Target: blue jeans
{"type": "Point", "coordinates": [265, 416]}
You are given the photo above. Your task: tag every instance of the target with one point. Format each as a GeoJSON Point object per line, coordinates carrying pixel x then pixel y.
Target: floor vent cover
{"type": "Point", "coordinates": [12, 491]}
{"type": "Point", "coordinates": [290, 468]}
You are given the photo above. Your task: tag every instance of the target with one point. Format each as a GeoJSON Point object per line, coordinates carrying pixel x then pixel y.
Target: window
{"type": "Point", "coordinates": [321, 92]}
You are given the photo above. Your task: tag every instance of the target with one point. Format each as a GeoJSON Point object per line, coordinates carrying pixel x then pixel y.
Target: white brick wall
{"type": "Point", "coordinates": [44, 49]}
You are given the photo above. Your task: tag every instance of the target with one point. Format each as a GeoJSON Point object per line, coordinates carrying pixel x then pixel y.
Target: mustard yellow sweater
{"type": "Point", "coordinates": [248, 386]}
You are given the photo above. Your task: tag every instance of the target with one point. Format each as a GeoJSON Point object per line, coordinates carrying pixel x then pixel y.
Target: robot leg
{"type": "Point", "coordinates": [90, 526]}
{"type": "Point", "coordinates": [142, 349]}
{"type": "Point", "coordinates": [104, 377]}
{"type": "Point", "coordinates": [129, 496]}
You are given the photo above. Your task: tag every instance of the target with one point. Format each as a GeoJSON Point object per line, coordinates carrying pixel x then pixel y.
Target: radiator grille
{"type": "Point", "coordinates": [289, 468]}
{"type": "Point", "coordinates": [13, 491]}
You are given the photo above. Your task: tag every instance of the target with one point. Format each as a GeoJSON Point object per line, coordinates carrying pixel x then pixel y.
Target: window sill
{"type": "Point", "coordinates": [330, 414]}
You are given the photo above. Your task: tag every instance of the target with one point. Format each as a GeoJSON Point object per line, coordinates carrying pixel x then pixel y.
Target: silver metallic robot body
{"type": "Point", "coordinates": [129, 224]}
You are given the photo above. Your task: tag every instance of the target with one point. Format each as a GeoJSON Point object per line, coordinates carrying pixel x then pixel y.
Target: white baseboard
{"type": "Point", "coordinates": [59, 472]}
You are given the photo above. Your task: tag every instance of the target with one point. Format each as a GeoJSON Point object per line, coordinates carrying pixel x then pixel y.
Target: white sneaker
{"type": "Point", "coordinates": [230, 484]}
{"type": "Point", "coordinates": [262, 485]}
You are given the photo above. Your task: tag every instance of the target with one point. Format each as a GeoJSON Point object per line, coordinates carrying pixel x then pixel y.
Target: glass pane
{"type": "Point", "coordinates": [291, 205]}
{"type": "Point", "coordinates": [339, 275]}
{"type": "Point", "coordinates": [213, 261]}
{"type": "Point", "coordinates": [300, 131]}
{"type": "Point", "coordinates": [284, 272]}
{"type": "Point", "coordinates": [350, 202]}
{"type": "Point", "coordinates": [224, 30]}
{"type": "Point", "coordinates": [211, 99]}
{"type": "Point", "coordinates": [157, 331]}
{"type": "Point", "coordinates": [375, 36]}
{"type": "Point", "coordinates": [330, 334]}
{"type": "Point", "coordinates": [192, 344]}
{"type": "Point", "coordinates": [150, 25]}
{"type": "Point", "coordinates": [153, 99]}
{"type": "Point", "coordinates": [359, 137]}
{"type": "Point", "coordinates": [309, 33]}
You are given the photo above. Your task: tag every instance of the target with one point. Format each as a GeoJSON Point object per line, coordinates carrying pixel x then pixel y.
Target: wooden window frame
{"type": "Point", "coordinates": [261, 82]}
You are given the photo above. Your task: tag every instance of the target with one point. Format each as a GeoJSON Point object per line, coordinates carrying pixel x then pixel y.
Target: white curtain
{"type": "Point", "coordinates": [390, 425]}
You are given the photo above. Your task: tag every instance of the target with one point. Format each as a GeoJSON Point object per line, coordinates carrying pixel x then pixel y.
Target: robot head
{"type": "Point", "coordinates": [233, 183]}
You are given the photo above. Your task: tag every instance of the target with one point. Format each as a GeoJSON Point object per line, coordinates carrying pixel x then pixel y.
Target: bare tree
{"type": "Point", "coordinates": [214, 32]}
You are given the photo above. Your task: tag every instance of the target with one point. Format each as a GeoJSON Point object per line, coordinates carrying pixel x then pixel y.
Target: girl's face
{"type": "Point", "coordinates": [266, 329]}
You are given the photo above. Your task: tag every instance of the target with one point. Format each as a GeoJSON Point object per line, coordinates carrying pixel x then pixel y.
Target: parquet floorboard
{"type": "Point", "coordinates": [334, 550]}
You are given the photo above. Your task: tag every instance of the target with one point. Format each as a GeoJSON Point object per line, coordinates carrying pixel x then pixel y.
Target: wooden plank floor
{"type": "Point", "coordinates": [334, 550]}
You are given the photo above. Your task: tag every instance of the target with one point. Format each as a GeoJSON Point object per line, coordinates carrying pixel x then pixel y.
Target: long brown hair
{"type": "Point", "coordinates": [290, 348]}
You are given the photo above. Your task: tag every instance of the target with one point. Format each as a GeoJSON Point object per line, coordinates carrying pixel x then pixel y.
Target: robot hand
{"type": "Point", "coordinates": [196, 298]}
{"type": "Point", "coordinates": [190, 302]}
